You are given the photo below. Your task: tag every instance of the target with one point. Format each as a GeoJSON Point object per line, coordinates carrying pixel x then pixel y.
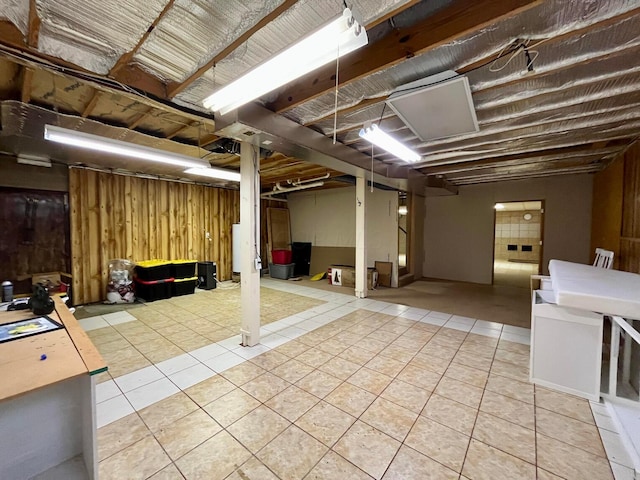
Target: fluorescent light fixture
{"type": "Point", "coordinates": [382, 139]}
{"type": "Point", "coordinates": [215, 173]}
{"type": "Point", "coordinates": [117, 147]}
{"type": "Point", "coordinates": [403, 210]}
{"type": "Point", "coordinates": [35, 160]}
{"type": "Point", "coordinates": [337, 38]}
{"type": "Point", "coordinates": [499, 206]}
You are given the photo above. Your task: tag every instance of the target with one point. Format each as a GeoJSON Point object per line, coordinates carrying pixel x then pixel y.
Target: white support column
{"type": "Point", "coordinates": [361, 238]}
{"type": "Point", "coordinates": [250, 235]}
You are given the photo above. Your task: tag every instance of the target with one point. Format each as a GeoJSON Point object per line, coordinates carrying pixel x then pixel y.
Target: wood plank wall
{"type": "Point", "coordinates": [616, 210]}
{"type": "Point", "coordinates": [116, 216]}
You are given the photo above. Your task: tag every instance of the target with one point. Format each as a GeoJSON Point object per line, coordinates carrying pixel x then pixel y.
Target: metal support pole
{"type": "Point", "coordinates": [361, 238]}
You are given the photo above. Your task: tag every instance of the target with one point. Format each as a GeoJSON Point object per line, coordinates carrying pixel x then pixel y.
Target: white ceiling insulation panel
{"type": "Point", "coordinates": [436, 107]}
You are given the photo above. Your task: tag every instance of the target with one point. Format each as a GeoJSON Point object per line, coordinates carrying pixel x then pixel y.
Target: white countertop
{"type": "Point", "coordinates": [610, 292]}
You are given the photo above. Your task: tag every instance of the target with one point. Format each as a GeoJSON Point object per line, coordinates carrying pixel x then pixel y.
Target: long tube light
{"type": "Point", "coordinates": [337, 38]}
{"type": "Point", "coordinates": [118, 147]}
{"type": "Point", "coordinates": [215, 173]}
{"type": "Point", "coordinates": [382, 139]}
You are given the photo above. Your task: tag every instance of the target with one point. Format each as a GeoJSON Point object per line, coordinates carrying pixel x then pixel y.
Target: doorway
{"type": "Point", "coordinates": [517, 242]}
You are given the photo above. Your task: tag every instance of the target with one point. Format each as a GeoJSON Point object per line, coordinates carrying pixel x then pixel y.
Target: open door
{"type": "Point", "coordinates": [517, 242]}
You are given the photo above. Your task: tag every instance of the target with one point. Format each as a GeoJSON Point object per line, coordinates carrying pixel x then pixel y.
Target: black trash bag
{"type": "Point", "coordinates": [40, 302]}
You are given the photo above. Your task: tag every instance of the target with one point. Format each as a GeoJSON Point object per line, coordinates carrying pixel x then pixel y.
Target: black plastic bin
{"type": "Point", "coordinates": [183, 268]}
{"type": "Point", "coordinates": [183, 286]}
{"type": "Point", "coordinates": [207, 275]}
{"type": "Point", "coordinates": [153, 270]}
{"type": "Point", "coordinates": [153, 290]}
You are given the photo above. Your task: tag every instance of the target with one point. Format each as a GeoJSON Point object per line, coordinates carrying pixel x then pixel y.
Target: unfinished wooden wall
{"type": "Point", "coordinates": [116, 216]}
{"type": "Point", "coordinates": [616, 210]}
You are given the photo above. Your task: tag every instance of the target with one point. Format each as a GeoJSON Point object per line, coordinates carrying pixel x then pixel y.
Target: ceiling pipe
{"type": "Point", "coordinates": [280, 189]}
{"type": "Point", "coordinates": [302, 182]}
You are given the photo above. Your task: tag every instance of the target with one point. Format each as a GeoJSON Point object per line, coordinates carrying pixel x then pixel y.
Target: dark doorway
{"type": "Point", "coordinates": [34, 237]}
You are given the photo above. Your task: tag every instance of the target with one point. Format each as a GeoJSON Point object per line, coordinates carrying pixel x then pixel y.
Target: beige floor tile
{"type": "Point", "coordinates": [215, 459]}
{"type": "Point", "coordinates": [438, 351]}
{"type": "Point", "coordinates": [511, 388]}
{"type": "Point", "coordinates": [570, 462]}
{"type": "Point", "coordinates": [314, 357]}
{"type": "Point", "coordinates": [544, 475]}
{"type": "Point", "coordinates": [167, 411]}
{"type": "Point", "coordinates": [333, 347]}
{"type": "Point", "coordinates": [372, 345]}
{"type": "Point", "coordinates": [113, 346]}
{"type": "Point", "coordinates": [138, 461]}
{"type": "Point", "coordinates": [277, 455]}
{"type": "Point", "coordinates": [241, 374]}
{"type": "Point", "coordinates": [325, 423]}
{"type": "Point", "coordinates": [292, 349]}
{"type": "Point", "coordinates": [357, 355]}
{"type": "Point", "coordinates": [333, 467]}
{"type": "Point", "coordinates": [367, 448]}
{"type": "Point", "coordinates": [385, 365]}
{"type": "Point", "coordinates": [438, 442]}
{"type": "Point", "coordinates": [351, 399]}
{"type": "Point", "coordinates": [221, 334]}
{"type": "Point", "coordinates": [508, 356]}
{"type": "Point", "coordinates": [389, 418]}
{"type": "Point", "coordinates": [514, 347]}
{"type": "Point", "coordinates": [472, 376]}
{"type": "Point", "coordinates": [340, 368]}
{"type": "Point", "coordinates": [318, 383]}
{"type": "Point", "coordinates": [487, 463]}
{"type": "Point", "coordinates": [120, 434]}
{"type": "Point", "coordinates": [383, 336]}
{"type": "Point", "coordinates": [478, 350]}
{"type": "Point", "coordinates": [430, 362]}
{"type": "Point", "coordinates": [419, 377]}
{"type": "Point", "coordinates": [265, 386]}
{"type": "Point", "coordinates": [160, 355]}
{"type": "Point", "coordinates": [370, 380]}
{"type": "Point", "coordinates": [187, 433]}
{"type": "Point", "coordinates": [292, 371]}
{"type": "Point", "coordinates": [510, 370]}
{"type": "Point", "coordinates": [459, 391]}
{"type": "Point", "coordinates": [564, 404]}
{"type": "Point", "coordinates": [269, 360]}
{"type": "Point", "coordinates": [170, 472]}
{"type": "Point", "coordinates": [398, 353]}
{"type": "Point", "coordinates": [209, 390]}
{"type": "Point", "coordinates": [508, 409]}
{"type": "Point", "coordinates": [568, 430]}
{"type": "Point", "coordinates": [451, 414]}
{"type": "Point", "coordinates": [406, 395]}
{"type": "Point", "coordinates": [292, 403]}
{"type": "Point", "coordinates": [258, 427]}
{"type": "Point", "coordinates": [506, 436]}
{"type": "Point", "coordinates": [252, 469]}
{"type": "Point", "coordinates": [230, 407]}
{"type": "Point", "coordinates": [409, 464]}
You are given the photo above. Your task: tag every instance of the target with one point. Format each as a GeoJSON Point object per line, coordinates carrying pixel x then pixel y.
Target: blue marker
{"type": "Point", "coordinates": [43, 357]}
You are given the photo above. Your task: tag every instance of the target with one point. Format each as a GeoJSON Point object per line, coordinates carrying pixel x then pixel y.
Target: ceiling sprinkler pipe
{"type": "Point", "coordinates": [278, 189]}
{"type": "Point", "coordinates": [302, 182]}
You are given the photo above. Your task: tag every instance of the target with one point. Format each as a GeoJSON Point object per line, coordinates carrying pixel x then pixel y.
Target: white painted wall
{"type": "Point", "coordinates": [327, 219]}
{"type": "Point", "coordinates": [458, 230]}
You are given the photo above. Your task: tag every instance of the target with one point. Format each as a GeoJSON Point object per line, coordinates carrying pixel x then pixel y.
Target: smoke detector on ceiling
{"type": "Point", "coordinates": [434, 107]}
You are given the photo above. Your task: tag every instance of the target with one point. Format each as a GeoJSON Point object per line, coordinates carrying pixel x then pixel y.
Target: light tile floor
{"type": "Point", "coordinates": [342, 389]}
{"type": "Point", "coordinates": [516, 274]}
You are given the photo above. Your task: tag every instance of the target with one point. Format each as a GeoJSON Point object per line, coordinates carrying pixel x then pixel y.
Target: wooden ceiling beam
{"type": "Point", "coordinates": [457, 19]}
{"type": "Point", "coordinates": [367, 102]}
{"type": "Point", "coordinates": [175, 88]}
{"type": "Point", "coordinates": [27, 79]}
{"type": "Point", "coordinates": [182, 129]}
{"type": "Point", "coordinates": [91, 105]}
{"type": "Point", "coordinates": [140, 119]}
{"type": "Point", "coordinates": [34, 25]}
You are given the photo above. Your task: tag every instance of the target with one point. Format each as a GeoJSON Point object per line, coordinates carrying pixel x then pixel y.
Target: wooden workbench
{"type": "Point", "coordinates": [48, 422]}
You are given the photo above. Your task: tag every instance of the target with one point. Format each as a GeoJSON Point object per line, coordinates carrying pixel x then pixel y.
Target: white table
{"type": "Point", "coordinates": [567, 329]}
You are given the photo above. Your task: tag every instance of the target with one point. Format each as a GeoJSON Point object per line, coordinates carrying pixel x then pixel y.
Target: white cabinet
{"type": "Point", "coordinates": [566, 348]}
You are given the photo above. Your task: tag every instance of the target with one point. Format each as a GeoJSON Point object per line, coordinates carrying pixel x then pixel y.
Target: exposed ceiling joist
{"type": "Point", "coordinates": [91, 105]}
{"type": "Point", "coordinates": [27, 79]}
{"type": "Point", "coordinates": [34, 25]}
{"type": "Point", "coordinates": [175, 88]}
{"type": "Point", "coordinates": [181, 129]}
{"type": "Point", "coordinates": [453, 21]}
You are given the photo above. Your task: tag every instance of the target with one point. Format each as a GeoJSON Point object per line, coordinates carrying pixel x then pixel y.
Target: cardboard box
{"type": "Point", "coordinates": [347, 276]}
{"type": "Point", "coordinates": [384, 273]}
